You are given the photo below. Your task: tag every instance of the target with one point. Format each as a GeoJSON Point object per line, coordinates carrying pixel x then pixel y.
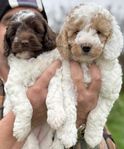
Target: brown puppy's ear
{"type": "Point", "coordinates": [7, 39]}
{"type": "Point", "coordinates": [49, 39]}
{"type": "Point", "coordinates": [62, 43]}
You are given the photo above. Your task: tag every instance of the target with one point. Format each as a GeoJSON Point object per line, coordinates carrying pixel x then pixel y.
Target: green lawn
{"type": "Point", "coordinates": [116, 122]}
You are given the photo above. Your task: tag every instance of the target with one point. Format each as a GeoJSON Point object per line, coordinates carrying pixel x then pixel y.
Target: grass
{"type": "Point", "coordinates": [116, 122]}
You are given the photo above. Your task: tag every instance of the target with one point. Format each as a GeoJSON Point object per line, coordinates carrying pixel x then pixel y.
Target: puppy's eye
{"type": "Point", "coordinates": [36, 30]}
{"type": "Point", "coordinates": [76, 32]}
{"type": "Point", "coordinates": [99, 32]}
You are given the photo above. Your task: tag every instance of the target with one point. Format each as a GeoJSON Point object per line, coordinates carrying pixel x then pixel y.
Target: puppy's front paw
{"type": "Point", "coordinates": [56, 118]}
{"type": "Point", "coordinates": [68, 136]}
{"type": "Point", "coordinates": [21, 130]}
{"type": "Point", "coordinates": [93, 137]}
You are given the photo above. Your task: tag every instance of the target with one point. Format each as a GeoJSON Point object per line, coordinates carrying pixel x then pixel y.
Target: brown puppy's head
{"type": "Point", "coordinates": [28, 35]}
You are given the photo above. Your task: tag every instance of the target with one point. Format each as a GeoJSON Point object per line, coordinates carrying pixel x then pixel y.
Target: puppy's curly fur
{"type": "Point", "coordinates": [89, 34]}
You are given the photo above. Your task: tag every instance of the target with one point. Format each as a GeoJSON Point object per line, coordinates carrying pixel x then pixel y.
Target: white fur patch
{"type": "Point", "coordinates": [23, 14]}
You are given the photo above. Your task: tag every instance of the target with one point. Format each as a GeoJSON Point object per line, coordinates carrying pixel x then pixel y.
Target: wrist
{"type": "Point", "coordinates": [80, 122]}
{"type": "Point", "coordinates": [81, 119]}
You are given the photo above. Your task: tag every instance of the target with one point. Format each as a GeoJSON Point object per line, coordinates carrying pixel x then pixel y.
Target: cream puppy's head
{"type": "Point", "coordinates": [88, 33]}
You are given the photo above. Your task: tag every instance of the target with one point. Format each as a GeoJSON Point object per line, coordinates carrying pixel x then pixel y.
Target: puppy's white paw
{"type": "Point", "coordinates": [21, 130]}
{"type": "Point", "coordinates": [69, 140]}
{"type": "Point", "coordinates": [56, 118]}
{"type": "Point", "coordinates": [68, 137]}
{"type": "Point", "coordinates": [93, 138]}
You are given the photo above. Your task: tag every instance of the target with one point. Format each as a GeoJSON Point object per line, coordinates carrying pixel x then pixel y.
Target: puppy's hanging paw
{"type": "Point", "coordinates": [56, 118]}
{"type": "Point", "coordinates": [68, 136]}
{"type": "Point", "coordinates": [21, 130]}
{"type": "Point", "coordinates": [69, 140]}
{"type": "Point", "coordinates": [94, 137]}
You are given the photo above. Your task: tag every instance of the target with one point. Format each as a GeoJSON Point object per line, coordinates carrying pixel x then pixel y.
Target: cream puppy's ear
{"type": "Point", "coordinates": [114, 44]}
{"type": "Point", "coordinates": [62, 43]}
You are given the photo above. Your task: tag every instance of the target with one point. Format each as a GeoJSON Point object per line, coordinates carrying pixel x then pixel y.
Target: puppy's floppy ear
{"type": "Point", "coordinates": [62, 43]}
{"type": "Point", "coordinates": [114, 44]}
{"type": "Point", "coordinates": [49, 39]}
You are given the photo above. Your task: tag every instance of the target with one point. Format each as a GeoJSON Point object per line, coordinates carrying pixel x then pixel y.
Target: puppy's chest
{"type": "Point", "coordinates": [27, 71]}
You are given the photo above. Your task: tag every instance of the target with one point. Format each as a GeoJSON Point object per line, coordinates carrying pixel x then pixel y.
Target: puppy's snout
{"type": "Point", "coordinates": [25, 42]}
{"type": "Point", "coordinates": [86, 49]}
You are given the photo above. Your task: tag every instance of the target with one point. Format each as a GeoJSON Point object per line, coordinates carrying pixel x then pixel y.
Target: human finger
{"type": "Point", "coordinates": [95, 78]}
{"type": "Point", "coordinates": [77, 76]}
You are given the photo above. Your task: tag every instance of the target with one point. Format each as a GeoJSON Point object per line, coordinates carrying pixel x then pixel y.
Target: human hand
{"type": "Point", "coordinates": [38, 92]}
{"type": "Point", "coordinates": [7, 141]}
{"type": "Point", "coordinates": [86, 97]}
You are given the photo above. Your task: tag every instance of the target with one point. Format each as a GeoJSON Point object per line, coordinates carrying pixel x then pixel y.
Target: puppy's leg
{"type": "Point", "coordinates": [68, 132]}
{"type": "Point", "coordinates": [111, 85]}
{"type": "Point", "coordinates": [96, 121]}
{"type": "Point", "coordinates": [56, 114]}
{"type": "Point", "coordinates": [21, 108]}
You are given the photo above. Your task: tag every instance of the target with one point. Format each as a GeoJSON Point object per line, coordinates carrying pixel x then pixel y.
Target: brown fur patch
{"type": "Point", "coordinates": [103, 26]}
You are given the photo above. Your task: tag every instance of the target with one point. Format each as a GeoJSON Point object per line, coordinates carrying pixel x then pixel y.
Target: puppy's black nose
{"type": "Point", "coordinates": [86, 49]}
{"type": "Point", "coordinates": [25, 42]}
